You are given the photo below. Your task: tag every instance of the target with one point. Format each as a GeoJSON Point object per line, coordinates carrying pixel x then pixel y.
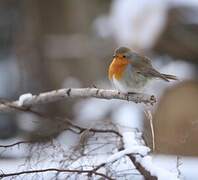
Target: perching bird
{"type": "Point", "coordinates": [130, 71]}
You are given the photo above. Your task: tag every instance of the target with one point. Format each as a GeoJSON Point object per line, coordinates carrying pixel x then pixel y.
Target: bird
{"type": "Point", "coordinates": [130, 71]}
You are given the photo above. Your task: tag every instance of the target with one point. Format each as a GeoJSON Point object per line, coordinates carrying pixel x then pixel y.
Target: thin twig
{"type": "Point", "coordinates": [15, 144]}
{"type": "Point", "coordinates": [179, 163]}
{"type": "Point", "coordinates": [150, 118]}
{"type": "Point", "coordinates": [57, 170]}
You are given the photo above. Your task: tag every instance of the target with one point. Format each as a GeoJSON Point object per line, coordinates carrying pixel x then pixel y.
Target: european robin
{"type": "Point", "coordinates": [130, 71]}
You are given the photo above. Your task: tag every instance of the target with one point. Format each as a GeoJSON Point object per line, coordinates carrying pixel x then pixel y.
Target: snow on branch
{"type": "Point", "coordinates": [28, 100]}
{"type": "Point", "coordinates": [133, 146]}
{"type": "Point", "coordinates": [142, 160]}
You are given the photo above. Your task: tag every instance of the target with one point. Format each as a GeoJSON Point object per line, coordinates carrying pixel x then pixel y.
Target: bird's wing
{"type": "Point", "coordinates": [145, 68]}
{"type": "Point", "coordinates": [146, 61]}
{"type": "Point", "coordinates": [152, 73]}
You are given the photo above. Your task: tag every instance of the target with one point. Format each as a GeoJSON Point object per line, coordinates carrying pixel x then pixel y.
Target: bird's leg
{"type": "Point", "coordinates": [133, 93]}
{"type": "Point", "coordinates": [153, 98]}
{"type": "Point", "coordinates": [94, 86]}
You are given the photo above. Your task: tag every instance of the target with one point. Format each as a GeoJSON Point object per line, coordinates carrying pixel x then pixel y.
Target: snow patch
{"type": "Point", "coordinates": [23, 98]}
{"type": "Point", "coordinates": [130, 139]}
{"type": "Point", "coordinates": [142, 150]}
{"type": "Point", "coordinates": [161, 173]}
{"type": "Point", "coordinates": [128, 116]}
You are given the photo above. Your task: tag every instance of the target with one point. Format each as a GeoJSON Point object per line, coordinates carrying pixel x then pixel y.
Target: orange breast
{"type": "Point", "coordinates": [117, 68]}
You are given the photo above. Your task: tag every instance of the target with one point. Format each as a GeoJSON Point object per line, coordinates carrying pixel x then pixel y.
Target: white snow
{"type": "Point", "coordinates": [23, 98]}
{"type": "Point", "coordinates": [68, 139]}
{"type": "Point", "coordinates": [142, 150]}
{"type": "Point", "coordinates": [128, 116]}
{"type": "Point", "coordinates": [17, 151]}
{"type": "Point", "coordinates": [132, 139]}
{"type": "Point", "coordinates": [161, 173]}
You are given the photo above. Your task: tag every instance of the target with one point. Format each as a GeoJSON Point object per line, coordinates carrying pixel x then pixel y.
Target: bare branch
{"type": "Point", "coordinates": [150, 118]}
{"type": "Point", "coordinates": [62, 94]}
{"type": "Point", "coordinates": [147, 175]}
{"type": "Point", "coordinates": [57, 170]}
{"type": "Point", "coordinates": [15, 144]}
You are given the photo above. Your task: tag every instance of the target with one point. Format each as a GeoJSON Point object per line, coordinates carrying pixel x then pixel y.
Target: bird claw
{"type": "Point", "coordinates": [131, 93]}
{"type": "Point", "coordinates": [153, 100]}
{"type": "Point", "coordinates": [94, 86]}
{"type": "Point", "coordinates": [139, 98]}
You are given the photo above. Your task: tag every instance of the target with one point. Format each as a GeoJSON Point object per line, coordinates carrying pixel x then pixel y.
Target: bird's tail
{"type": "Point", "coordinates": [171, 77]}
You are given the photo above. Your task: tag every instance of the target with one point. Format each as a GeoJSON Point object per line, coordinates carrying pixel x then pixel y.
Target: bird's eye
{"type": "Point", "coordinates": [124, 56]}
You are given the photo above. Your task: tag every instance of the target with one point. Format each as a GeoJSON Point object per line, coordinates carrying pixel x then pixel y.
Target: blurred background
{"type": "Point", "coordinates": [47, 45]}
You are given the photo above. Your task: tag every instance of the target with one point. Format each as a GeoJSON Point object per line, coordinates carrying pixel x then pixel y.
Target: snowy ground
{"type": "Point", "coordinates": [51, 157]}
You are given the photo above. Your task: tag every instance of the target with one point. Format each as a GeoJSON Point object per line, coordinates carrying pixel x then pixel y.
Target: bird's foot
{"type": "Point", "coordinates": [131, 93]}
{"type": "Point", "coordinates": [94, 86]}
{"type": "Point", "coordinates": [153, 100]}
